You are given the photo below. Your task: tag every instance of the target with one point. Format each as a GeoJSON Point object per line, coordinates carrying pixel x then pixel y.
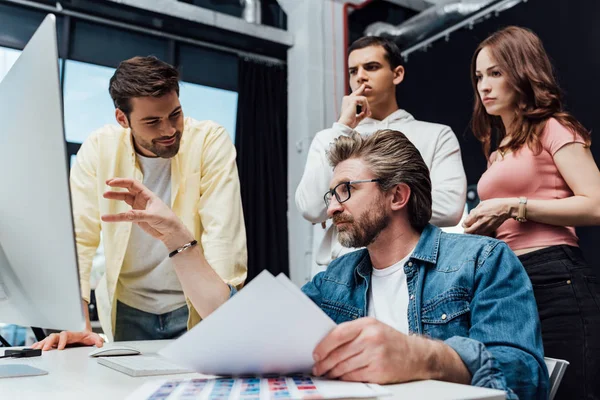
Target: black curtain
{"type": "Point", "coordinates": [261, 143]}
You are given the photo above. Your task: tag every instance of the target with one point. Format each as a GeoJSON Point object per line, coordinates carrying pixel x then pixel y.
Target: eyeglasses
{"type": "Point", "coordinates": [342, 191]}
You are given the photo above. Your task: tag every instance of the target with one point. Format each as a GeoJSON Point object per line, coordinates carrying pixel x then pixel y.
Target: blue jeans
{"type": "Point", "coordinates": [134, 324]}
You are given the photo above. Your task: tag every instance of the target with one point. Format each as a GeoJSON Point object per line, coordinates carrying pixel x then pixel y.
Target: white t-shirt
{"type": "Point", "coordinates": [388, 296]}
{"type": "Point", "coordinates": [148, 280]}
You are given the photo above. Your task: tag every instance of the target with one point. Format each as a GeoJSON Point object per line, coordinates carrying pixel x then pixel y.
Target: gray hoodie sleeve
{"type": "Point", "coordinates": [317, 174]}
{"type": "Point", "coordinates": [448, 181]}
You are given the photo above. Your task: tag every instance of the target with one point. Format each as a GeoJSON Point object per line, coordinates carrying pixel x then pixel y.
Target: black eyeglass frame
{"type": "Point", "coordinates": [333, 192]}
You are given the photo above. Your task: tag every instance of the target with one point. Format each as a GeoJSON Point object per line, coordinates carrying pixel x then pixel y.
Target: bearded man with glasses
{"type": "Point", "coordinates": [437, 305]}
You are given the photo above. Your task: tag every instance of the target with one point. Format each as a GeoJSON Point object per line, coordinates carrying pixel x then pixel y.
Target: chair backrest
{"type": "Point", "coordinates": [556, 370]}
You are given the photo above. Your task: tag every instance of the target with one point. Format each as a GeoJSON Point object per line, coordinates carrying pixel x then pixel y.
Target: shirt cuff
{"type": "Point", "coordinates": [85, 291]}
{"type": "Point", "coordinates": [484, 368]}
{"type": "Point", "coordinates": [341, 128]}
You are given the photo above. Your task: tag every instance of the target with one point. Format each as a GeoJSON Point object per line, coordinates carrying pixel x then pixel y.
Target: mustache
{"type": "Point", "coordinates": [163, 138]}
{"type": "Point", "coordinates": [339, 218]}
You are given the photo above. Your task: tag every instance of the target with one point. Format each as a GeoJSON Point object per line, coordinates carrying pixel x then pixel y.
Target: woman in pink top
{"type": "Point", "coordinates": [541, 182]}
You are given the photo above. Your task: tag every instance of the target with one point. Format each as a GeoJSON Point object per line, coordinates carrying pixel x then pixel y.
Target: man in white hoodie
{"type": "Point", "coordinates": [375, 68]}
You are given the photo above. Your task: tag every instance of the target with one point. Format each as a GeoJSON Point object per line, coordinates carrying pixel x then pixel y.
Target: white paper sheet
{"type": "Point", "coordinates": [295, 290]}
{"type": "Point", "coordinates": [268, 327]}
{"type": "Point", "coordinates": [254, 388]}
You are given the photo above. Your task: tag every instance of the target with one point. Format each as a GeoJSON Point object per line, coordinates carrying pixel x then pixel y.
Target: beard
{"type": "Point", "coordinates": [364, 231]}
{"type": "Point", "coordinates": [161, 150]}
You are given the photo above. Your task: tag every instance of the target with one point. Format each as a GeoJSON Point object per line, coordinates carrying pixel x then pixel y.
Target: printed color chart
{"type": "Point", "coordinates": [298, 387]}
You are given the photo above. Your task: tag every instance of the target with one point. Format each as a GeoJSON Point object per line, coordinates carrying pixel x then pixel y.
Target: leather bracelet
{"type": "Point", "coordinates": [182, 248]}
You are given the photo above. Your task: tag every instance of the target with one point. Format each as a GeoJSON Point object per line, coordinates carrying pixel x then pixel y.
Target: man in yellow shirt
{"type": "Point", "coordinates": [191, 166]}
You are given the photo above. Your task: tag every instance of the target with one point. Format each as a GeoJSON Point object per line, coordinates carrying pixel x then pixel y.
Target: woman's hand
{"type": "Point", "coordinates": [489, 215]}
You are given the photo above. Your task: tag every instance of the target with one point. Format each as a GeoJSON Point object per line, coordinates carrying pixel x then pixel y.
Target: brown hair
{"type": "Point", "coordinates": [392, 52]}
{"type": "Point", "coordinates": [141, 77]}
{"type": "Point", "coordinates": [521, 57]}
{"type": "Point", "coordinates": [394, 160]}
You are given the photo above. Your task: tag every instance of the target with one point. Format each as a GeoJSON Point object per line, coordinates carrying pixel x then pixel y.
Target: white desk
{"type": "Point", "coordinates": [74, 375]}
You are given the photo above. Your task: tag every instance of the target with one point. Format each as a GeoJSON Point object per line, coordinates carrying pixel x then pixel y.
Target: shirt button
{"type": "Point", "coordinates": [412, 296]}
{"type": "Point", "coordinates": [444, 316]}
{"type": "Point", "coordinates": [410, 263]}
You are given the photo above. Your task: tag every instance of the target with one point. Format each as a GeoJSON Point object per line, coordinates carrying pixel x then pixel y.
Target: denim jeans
{"type": "Point", "coordinates": [568, 299]}
{"type": "Point", "coordinates": [134, 324]}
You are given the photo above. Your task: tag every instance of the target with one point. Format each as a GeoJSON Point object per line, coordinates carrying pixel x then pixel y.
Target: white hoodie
{"type": "Point", "coordinates": [438, 147]}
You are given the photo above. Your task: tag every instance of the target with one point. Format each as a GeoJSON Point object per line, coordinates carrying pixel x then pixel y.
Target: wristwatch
{"type": "Point", "coordinates": [522, 213]}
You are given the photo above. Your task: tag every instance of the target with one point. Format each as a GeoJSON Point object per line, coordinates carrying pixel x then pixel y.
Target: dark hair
{"type": "Point", "coordinates": [521, 57]}
{"type": "Point", "coordinates": [142, 77]}
{"type": "Point", "coordinates": [393, 159]}
{"type": "Point", "coordinates": [392, 52]}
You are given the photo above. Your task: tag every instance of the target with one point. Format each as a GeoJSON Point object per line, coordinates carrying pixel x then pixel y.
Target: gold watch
{"type": "Point", "coordinates": [522, 213]}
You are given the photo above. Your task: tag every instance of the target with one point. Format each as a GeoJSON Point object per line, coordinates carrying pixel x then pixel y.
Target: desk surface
{"type": "Point", "coordinates": [75, 375]}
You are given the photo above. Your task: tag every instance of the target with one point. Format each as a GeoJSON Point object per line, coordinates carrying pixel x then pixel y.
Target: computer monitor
{"type": "Point", "coordinates": [39, 279]}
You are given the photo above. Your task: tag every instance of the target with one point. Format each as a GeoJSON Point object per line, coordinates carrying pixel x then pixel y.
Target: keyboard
{"type": "Point", "coordinates": [142, 365]}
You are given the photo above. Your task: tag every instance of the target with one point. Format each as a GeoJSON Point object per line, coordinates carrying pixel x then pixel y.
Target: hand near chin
{"type": "Point", "coordinates": [348, 113]}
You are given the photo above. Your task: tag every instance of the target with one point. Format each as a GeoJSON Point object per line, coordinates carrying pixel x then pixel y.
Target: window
{"type": "Point", "coordinates": [7, 59]}
{"type": "Point", "coordinates": [207, 67]}
{"type": "Point", "coordinates": [203, 102]}
{"type": "Point", "coordinates": [87, 107]}
{"type": "Point", "coordinates": [105, 45]}
{"type": "Point", "coordinates": [87, 104]}
{"type": "Point", "coordinates": [19, 23]}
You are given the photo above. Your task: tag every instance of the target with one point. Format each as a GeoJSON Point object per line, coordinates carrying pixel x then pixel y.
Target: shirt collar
{"type": "Point", "coordinates": [426, 250]}
{"type": "Point", "coordinates": [428, 245]}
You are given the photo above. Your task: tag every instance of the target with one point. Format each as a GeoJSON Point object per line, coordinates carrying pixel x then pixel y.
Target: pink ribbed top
{"type": "Point", "coordinates": [522, 173]}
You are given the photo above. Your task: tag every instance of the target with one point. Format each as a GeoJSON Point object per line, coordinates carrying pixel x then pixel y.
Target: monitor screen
{"type": "Point", "coordinates": [39, 279]}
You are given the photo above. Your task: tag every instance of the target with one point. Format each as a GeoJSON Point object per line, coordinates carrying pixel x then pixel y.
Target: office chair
{"type": "Point", "coordinates": [556, 370]}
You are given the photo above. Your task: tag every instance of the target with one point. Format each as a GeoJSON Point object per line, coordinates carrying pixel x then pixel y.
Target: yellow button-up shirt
{"type": "Point", "coordinates": [205, 194]}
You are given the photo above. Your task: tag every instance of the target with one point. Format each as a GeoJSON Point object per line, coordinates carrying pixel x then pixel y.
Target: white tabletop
{"type": "Point", "coordinates": [75, 375]}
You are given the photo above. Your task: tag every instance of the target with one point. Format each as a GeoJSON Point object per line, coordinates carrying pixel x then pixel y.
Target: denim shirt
{"type": "Point", "coordinates": [469, 291]}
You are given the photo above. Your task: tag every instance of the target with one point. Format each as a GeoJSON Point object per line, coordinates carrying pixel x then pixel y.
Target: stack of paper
{"type": "Point", "coordinates": [270, 326]}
